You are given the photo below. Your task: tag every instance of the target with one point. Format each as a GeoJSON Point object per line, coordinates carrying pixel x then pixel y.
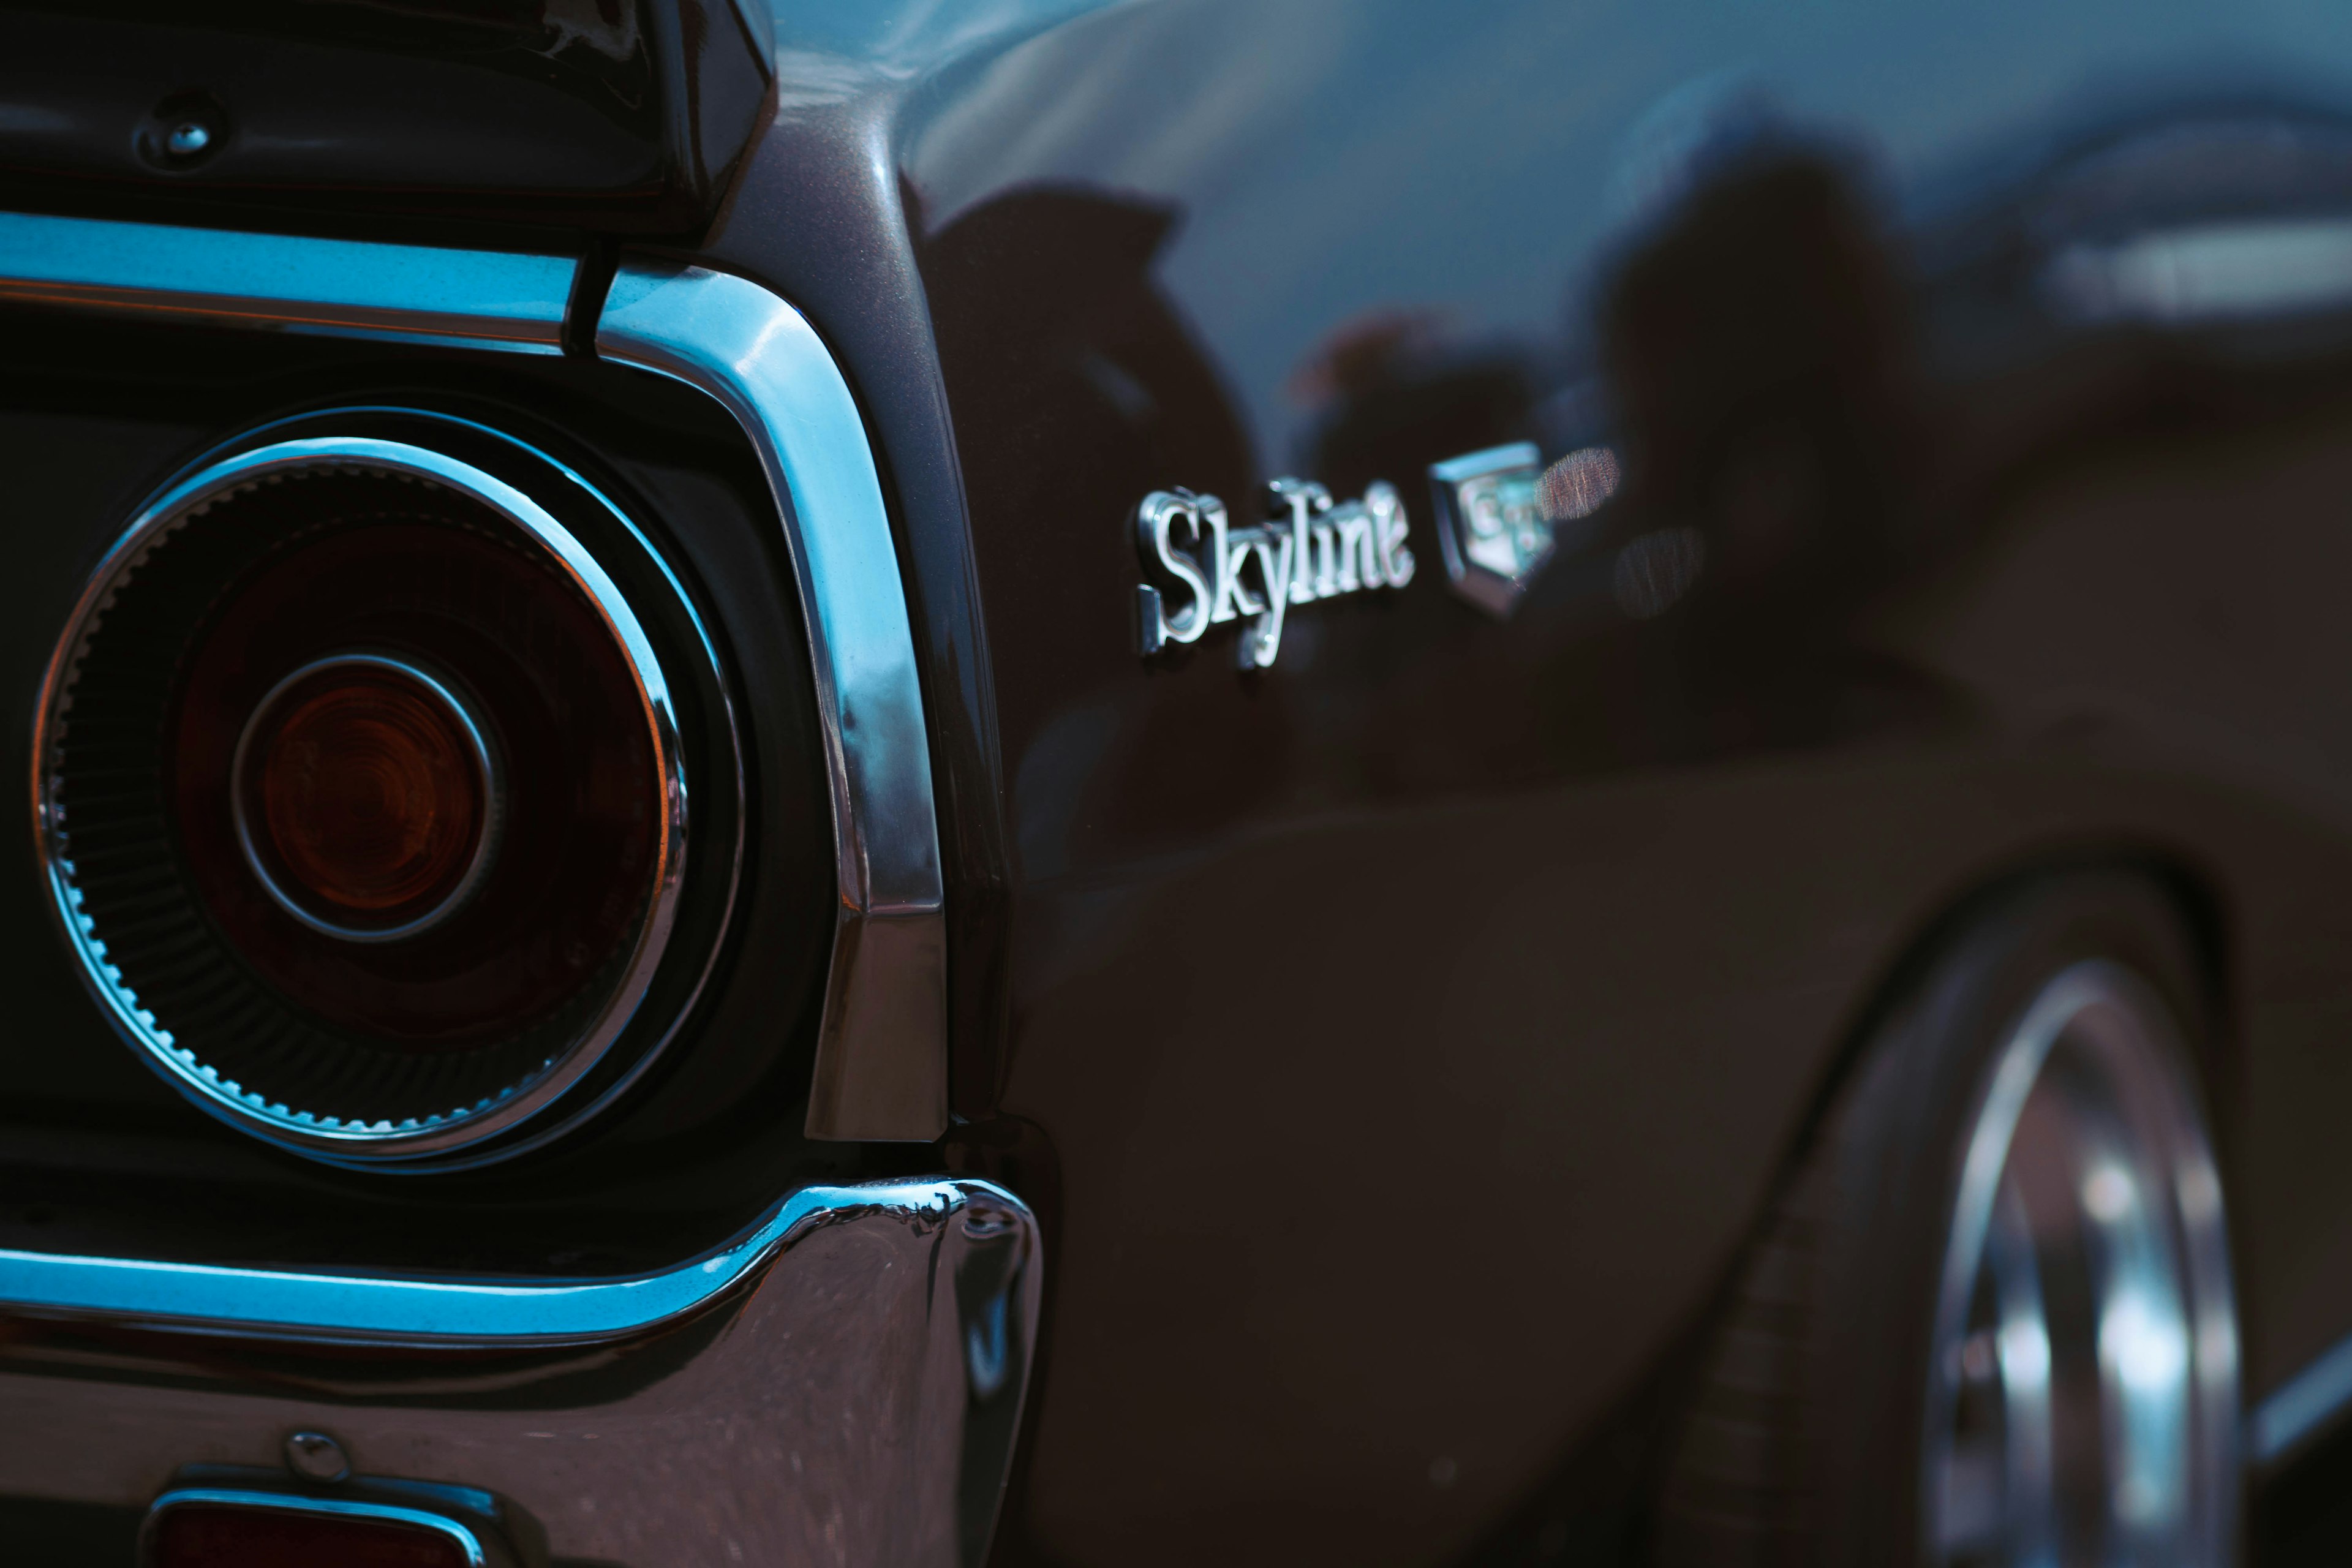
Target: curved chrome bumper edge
{"type": "Point", "coordinates": [842, 1385]}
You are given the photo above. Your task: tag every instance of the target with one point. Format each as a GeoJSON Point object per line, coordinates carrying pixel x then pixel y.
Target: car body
{"type": "Point", "coordinates": [1349, 1052]}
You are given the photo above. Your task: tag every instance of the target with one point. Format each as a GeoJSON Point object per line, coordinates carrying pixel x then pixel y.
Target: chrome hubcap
{"type": "Point", "coordinates": [2083, 1397]}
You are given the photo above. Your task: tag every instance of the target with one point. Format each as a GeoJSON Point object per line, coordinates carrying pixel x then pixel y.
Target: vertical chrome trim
{"type": "Point", "coordinates": [881, 1066]}
{"type": "Point", "coordinates": [342, 287]}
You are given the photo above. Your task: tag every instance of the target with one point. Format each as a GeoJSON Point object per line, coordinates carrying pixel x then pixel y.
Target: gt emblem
{"type": "Point", "coordinates": [1500, 512]}
{"type": "Point", "coordinates": [1308, 549]}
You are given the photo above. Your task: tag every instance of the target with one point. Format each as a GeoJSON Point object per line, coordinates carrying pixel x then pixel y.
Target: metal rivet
{"type": "Point", "coordinates": [188, 138]}
{"type": "Point", "coordinates": [315, 1457]}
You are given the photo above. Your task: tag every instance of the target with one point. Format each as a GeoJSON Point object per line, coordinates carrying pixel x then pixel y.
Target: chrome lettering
{"type": "Point", "coordinates": [1360, 561]}
{"type": "Point", "coordinates": [1308, 548]}
{"type": "Point", "coordinates": [1155, 524]}
{"type": "Point", "coordinates": [1274, 555]}
{"type": "Point", "coordinates": [1388, 531]}
{"type": "Point", "coordinates": [1231, 600]}
{"type": "Point", "coordinates": [1305, 501]}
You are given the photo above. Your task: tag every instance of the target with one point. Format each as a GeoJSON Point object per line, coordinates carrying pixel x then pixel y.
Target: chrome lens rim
{"type": "Point", "coordinates": [2083, 1380]}
{"type": "Point", "coordinates": [350, 1140]}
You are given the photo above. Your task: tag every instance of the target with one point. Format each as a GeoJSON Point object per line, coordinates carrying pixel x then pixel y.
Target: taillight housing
{"type": "Point", "coordinates": [364, 778]}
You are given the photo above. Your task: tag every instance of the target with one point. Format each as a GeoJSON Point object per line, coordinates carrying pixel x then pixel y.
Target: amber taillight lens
{"type": "Point", "coordinates": [365, 794]}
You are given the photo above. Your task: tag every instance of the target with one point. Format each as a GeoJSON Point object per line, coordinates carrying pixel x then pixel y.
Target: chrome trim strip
{"type": "Point", "coordinates": [881, 1066]}
{"type": "Point", "coordinates": [466, 1540]}
{"type": "Point", "coordinates": [451, 1312]}
{"type": "Point", "coordinates": [2304, 1405]}
{"type": "Point", "coordinates": [251, 1108]}
{"type": "Point", "coordinates": [343, 288]}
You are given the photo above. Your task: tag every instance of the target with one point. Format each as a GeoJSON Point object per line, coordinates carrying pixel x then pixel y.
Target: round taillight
{"type": "Point", "coordinates": [364, 797]}
{"type": "Point", "coordinates": [364, 792]}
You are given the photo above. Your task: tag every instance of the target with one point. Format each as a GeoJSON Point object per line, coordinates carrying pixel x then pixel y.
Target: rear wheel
{"type": "Point", "coordinates": [1990, 1321]}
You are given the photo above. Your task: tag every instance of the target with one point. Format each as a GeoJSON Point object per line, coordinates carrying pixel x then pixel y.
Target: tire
{"type": "Point", "coordinates": [1989, 1319]}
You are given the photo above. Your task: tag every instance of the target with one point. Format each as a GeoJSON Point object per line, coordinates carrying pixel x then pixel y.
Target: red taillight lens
{"type": "Point", "coordinates": [365, 796]}
{"type": "Point", "coordinates": [338, 724]}
{"type": "Point", "coordinates": [206, 1535]}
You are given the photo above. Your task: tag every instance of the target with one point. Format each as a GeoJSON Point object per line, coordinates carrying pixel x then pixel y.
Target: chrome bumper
{"type": "Point", "coordinates": [842, 1386]}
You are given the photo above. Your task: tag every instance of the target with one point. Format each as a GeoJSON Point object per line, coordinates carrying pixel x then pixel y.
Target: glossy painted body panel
{"type": "Point", "coordinates": [1476, 980]}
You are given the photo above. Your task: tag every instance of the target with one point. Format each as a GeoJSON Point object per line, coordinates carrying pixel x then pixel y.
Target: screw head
{"type": "Point", "coordinates": [185, 130]}
{"type": "Point", "coordinates": [315, 1457]}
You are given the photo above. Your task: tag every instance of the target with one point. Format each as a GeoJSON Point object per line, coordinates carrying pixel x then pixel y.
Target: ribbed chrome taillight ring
{"type": "Point", "coordinates": [129, 968]}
